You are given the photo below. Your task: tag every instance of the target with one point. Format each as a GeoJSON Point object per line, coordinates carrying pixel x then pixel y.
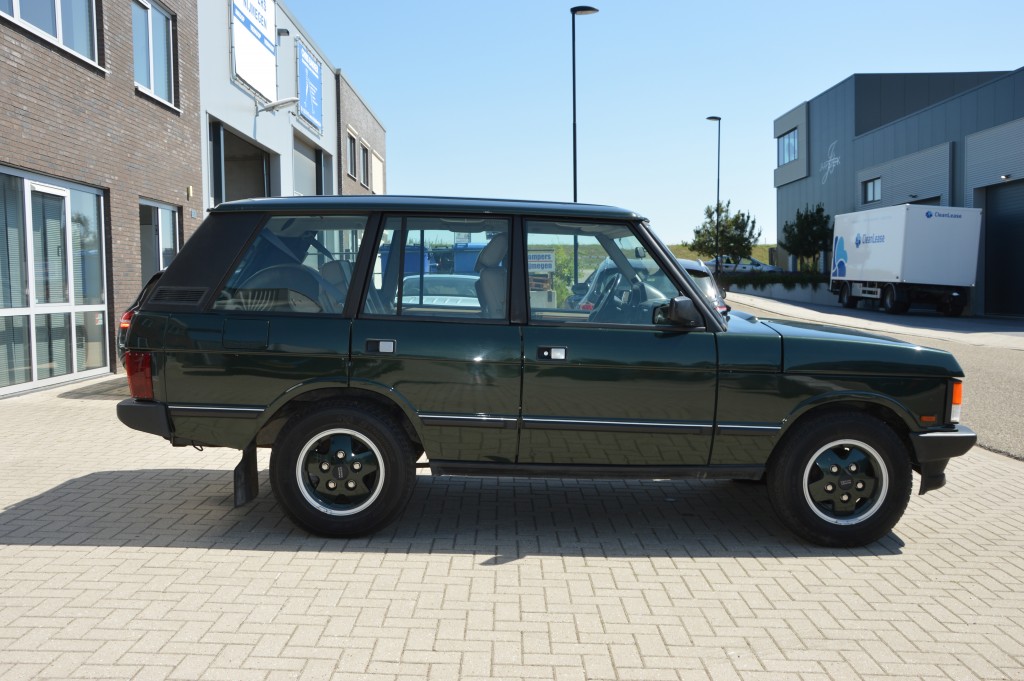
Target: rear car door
{"type": "Point", "coordinates": [433, 332]}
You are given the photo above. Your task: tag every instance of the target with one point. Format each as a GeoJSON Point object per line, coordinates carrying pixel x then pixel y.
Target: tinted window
{"type": "Point", "coordinates": [623, 282]}
{"type": "Point", "coordinates": [441, 267]}
{"type": "Point", "coordinates": [296, 264]}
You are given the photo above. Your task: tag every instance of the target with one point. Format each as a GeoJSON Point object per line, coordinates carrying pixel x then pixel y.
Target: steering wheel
{"type": "Point", "coordinates": [304, 286]}
{"type": "Point", "coordinates": [607, 306]}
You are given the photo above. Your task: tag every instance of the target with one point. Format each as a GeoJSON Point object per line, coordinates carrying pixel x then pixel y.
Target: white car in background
{"type": "Point", "coordinates": [742, 265]}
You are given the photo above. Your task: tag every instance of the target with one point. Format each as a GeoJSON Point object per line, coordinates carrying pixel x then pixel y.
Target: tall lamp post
{"type": "Point", "coordinates": [579, 9]}
{"type": "Point", "coordinates": [718, 200]}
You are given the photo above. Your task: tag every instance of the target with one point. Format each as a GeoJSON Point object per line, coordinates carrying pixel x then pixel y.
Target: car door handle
{"type": "Point", "coordinates": [552, 354]}
{"type": "Point", "coordinates": [381, 346]}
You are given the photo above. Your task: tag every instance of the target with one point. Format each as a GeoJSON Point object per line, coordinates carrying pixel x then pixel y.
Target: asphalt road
{"type": "Point", "coordinates": [991, 353]}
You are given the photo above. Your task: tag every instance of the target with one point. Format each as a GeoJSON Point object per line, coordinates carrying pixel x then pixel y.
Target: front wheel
{"type": "Point", "coordinates": [840, 480]}
{"type": "Point", "coordinates": [342, 471]}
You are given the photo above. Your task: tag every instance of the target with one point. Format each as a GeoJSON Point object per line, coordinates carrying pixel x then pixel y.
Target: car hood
{"type": "Point", "coordinates": [818, 349]}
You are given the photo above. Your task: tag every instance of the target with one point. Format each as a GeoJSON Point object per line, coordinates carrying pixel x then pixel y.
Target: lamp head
{"type": "Point", "coordinates": [583, 9]}
{"type": "Point", "coordinates": [714, 118]}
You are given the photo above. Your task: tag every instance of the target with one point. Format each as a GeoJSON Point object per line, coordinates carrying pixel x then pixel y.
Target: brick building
{"type": "Point", "coordinates": [114, 142]}
{"type": "Point", "coordinates": [100, 175]}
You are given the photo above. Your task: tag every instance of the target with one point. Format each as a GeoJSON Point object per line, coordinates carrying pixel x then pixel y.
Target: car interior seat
{"type": "Point", "coordinates": [492, 286]}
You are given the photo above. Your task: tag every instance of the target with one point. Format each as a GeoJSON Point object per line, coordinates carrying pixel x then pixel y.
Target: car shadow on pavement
{"type": "Point", "coordinates": [113, 389]}
{"type": "Point", "coordinates": [497, 519]}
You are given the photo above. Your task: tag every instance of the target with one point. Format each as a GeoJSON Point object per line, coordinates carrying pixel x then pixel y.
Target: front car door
{"type": "Point", "coordinates": [608, 386]}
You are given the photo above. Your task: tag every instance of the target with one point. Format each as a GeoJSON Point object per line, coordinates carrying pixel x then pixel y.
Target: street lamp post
{"type": "Point", "coordinates": [579, 9]}
{"type": "Point", "coordinates": [718, 200]}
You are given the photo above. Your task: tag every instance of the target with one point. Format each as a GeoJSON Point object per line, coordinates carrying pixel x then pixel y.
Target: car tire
{"type": "Point", "coordinates": [841, 480]}
{"type": "Point", "coordinates": [846, 298]}
{"type": "Point", "coordinates": [342, 471]}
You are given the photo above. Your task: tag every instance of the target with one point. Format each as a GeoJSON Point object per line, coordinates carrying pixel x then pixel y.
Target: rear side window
{"type": "Point", "coordinates": [299, 263]}
{"type": "Point", "coordinates": [434, 266]}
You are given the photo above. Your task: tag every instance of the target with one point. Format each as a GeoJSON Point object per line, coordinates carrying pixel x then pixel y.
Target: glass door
{"type": "Point", "coordinates": [53, 323]}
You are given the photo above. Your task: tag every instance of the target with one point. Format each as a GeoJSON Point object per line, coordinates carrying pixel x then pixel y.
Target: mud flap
{"type": "Point", "coordinates": [247, 482]}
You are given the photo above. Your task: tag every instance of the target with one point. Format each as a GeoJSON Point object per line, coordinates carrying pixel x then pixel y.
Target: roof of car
{"type": "Point", "coordinates": [392, 202]}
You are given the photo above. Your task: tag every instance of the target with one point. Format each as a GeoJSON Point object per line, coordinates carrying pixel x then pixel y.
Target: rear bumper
{"type": "Point", "coordinates": [149, 417]}
{"type": "Point", "coordinates": [932, 451]}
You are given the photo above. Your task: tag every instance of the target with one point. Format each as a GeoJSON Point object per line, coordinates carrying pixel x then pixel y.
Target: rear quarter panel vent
{"type": "Point", "coordinates": [178, 295]}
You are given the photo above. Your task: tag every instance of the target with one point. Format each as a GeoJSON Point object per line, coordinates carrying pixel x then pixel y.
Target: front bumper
{"type": "Point", "coordinates": [149, 417]}
{"type": "Point", "coordinates": [933, 450]}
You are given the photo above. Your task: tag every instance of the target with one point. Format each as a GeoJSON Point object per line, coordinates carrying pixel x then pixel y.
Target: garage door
{"type": "Point", "coordinates": [1004, 248]}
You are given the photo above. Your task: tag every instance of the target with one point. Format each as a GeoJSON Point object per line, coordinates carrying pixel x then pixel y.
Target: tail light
{"type": "Point", "coordinates": [587, 306]}
{"type": "Point", "coordinates": [956, 401]}
{"type": "Point", "coordinates": [126, 319]}
{"type": "Point", "coordinates": [139, 366]}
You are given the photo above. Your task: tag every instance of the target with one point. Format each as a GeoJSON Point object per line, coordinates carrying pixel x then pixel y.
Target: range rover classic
{"type": "Point", "coordinates": [362, 337]}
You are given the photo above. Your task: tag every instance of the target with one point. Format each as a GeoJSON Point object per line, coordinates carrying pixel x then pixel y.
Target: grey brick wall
{"type": "Point", "coordinates": [356, 117]}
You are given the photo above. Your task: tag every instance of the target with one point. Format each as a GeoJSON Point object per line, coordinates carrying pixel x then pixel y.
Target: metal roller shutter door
{"type": "Point", "coordinates": [1004, 248]}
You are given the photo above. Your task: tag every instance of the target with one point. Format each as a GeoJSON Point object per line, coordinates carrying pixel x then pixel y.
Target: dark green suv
{"type": "Point", "coordinates": [302, 324]}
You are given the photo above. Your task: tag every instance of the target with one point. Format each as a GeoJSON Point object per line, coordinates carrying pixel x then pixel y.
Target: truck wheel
{"type": "Point", "coordinates": [342, 471]}
{"type": "Point", "coordinates": [846, 298]}
{"type": "Point", "coordinates": [889, 299]}
{"type": "Point", "coordinates": [894, 300]}
{"type": "Point", "coordinates": [840, 480]}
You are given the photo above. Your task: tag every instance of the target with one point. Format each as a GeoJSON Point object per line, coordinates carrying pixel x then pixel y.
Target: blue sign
{"type": "Point", "coordinates": [310, 87]}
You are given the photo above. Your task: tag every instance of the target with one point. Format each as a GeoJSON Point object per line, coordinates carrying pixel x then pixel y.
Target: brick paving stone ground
{"type": "Point", "coordinates": [123, 558]}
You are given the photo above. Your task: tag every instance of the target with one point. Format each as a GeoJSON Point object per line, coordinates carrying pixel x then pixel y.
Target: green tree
{"type": "Point", "coordinates": [808, 236]}
{"type": "Point", "coordinates": [736, 236]}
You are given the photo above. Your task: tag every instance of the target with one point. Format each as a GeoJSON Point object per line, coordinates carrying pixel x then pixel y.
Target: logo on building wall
{"type": "Point", "coordinates": [829, 165]}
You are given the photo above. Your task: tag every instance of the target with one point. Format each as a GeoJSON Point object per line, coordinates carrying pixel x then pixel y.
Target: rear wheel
{"type": "Point", "coordinates": [894, 300]}
{"type": "Point", "coordinates": [342, 471]}
{"type": "Point", "coordinates": [846, 298]}
{"type": "Point", "coordinates": [840, 480]}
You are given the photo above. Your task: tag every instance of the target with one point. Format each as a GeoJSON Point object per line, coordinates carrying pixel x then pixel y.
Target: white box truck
{"type": "Point", "coordinates": [906, 254]}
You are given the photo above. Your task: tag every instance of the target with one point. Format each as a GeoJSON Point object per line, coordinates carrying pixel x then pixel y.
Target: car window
{"type": "Point", "coordinates": [299, 263]}
{"type": "Point", "coordinates": [626, 284]}
{"type": "Point", "coordinates": [434, 266]}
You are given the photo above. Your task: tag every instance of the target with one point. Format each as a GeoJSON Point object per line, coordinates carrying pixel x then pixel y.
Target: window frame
{"type": "Point", "coordinates": [57, 38]}
{"type": "Point", "coordinates": [353, 160]}
{"type": "Point", "coordinates": [364, 165]}
{"type": "Point", "coordinates": [172, 29]}
{"type": "Point", "coordinates": [788, 141]}
{"type": "Point", "coordinates": [871, 190]}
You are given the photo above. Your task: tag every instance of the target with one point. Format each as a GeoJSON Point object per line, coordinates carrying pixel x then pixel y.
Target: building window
{"type": "Point", "coordinates": [352, 159]}
{"type": "Point", "coordinates": [788, 148]}
{"type": "Point", "coordinates": [873, 190]}
{"type": "Point", "coordinates": [153, 41]}
{"type": "Point", "coordinates": [158, 237]}
{"type": "Point", "coordinates": [71, 23]}
{"type": "Point", "coordinates": [364, 166]}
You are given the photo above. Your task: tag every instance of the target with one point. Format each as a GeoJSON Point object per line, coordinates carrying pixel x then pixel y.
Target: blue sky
{"type": "Point", "coordinates": [476, 95]}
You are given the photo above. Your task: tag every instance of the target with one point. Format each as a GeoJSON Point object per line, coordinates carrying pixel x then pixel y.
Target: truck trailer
{"type": "Point", "coordinates": [906, 254]}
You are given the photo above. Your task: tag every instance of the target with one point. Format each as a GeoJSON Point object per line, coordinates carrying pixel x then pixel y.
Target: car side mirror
{"type": "Point", "coordinates": [679, 311]}
{"type": "Point", "coordinates": [580, 289]}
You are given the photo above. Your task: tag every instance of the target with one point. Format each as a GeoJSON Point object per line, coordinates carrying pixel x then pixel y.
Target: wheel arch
{"type": "Point", "coordinates": [885, 410]}
{"type": "Point", "coordinates": [297, 401]}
